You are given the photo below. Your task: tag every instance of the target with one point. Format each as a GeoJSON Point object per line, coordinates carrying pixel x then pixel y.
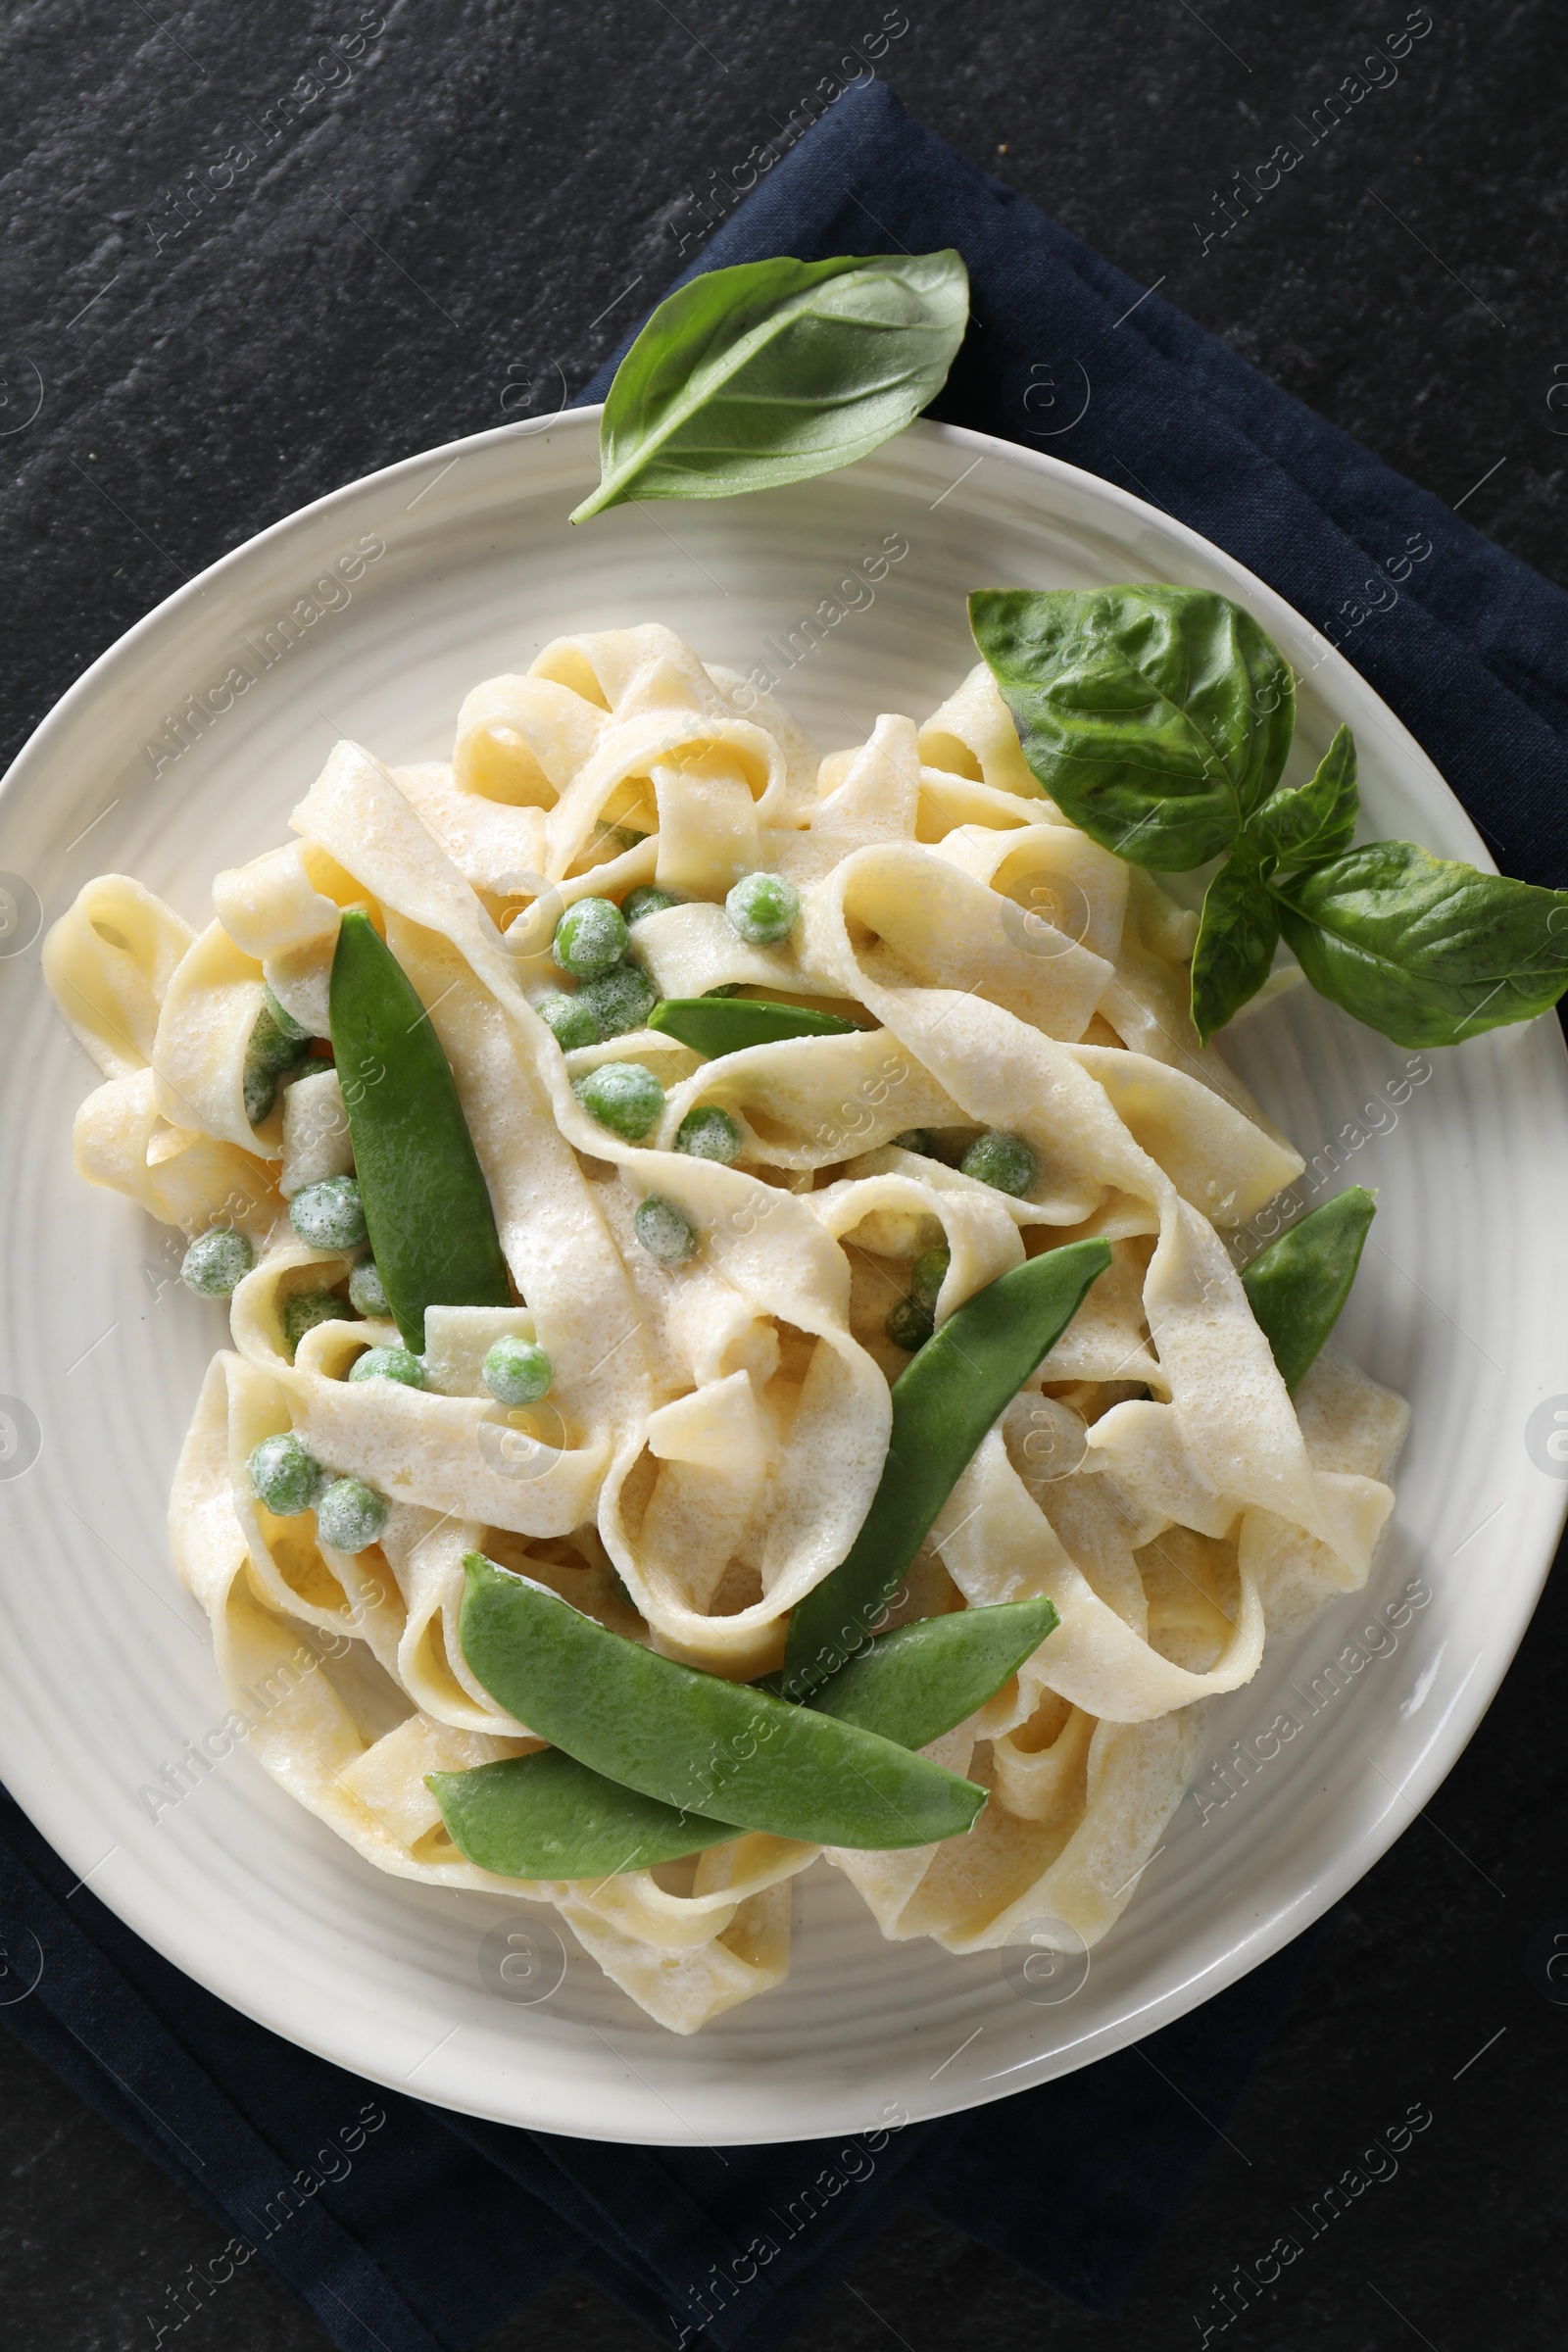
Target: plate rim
{"type": "Point", "coordinates": [1339, 683]}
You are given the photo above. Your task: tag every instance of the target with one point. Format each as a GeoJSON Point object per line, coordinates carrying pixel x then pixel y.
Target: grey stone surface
{"type": "Point", "coordinates": [435, 243]}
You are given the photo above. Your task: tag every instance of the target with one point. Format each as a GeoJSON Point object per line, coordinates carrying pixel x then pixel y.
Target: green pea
{"type": "Point", "coordinates": [350, 1515]}
{"type": "Point", "coordinates": [762, 909]}
{"type": "Point", "coordinates": [911, 1322]}
{"type": "Point", "coordinates": [303, 1311]}
{"type": "Point", "coordinates": [272, 1048]}
{"type": "Point", "coordinates": [427, 1208]}
{"type": "Point", "coordinates": [570, 1021]}
{"type": "Point", "coordinates": [285, 1477]}
{"type": "Point", "coordinates": [909, 1325]}
{"type": "Point", "coordinates": [259, 1091]}
{"type": "Point", "coordinates": [709, 1133]}
{"type": "Point", "coordinates": [645, 900]}
{"type": "Point", "coordinates": [725, 988]}
{"type": "Point", "coordinates": [1297, 1286]}
{"type": "Point", "coordinates": [621, 1095]}
{"type": "Point", "coordinates": [693, 1741]}
{"type": "Point", "coordinates": [915, 1139]}
{"type": "Point", "coordinates": [277, 1049]}
{"type": "Point", "coordinates": [546, 1816]}
{"type": "Point", "coordinates": [328, 1215]}
{"type": "Point", "coordinates": [216, 1261]}
{"type": "Point", "coordinates": [943, 1402]}
{"type": "Point", "coordinates": [283, 1021]}
{"type": "Point", "coordinates": [715, 1024]}
{"type": "Point", "coordinates": [1004, 1161]}
{"type": "Point", "coordinates": [391, 1363]}
{"type": "Point", "coordinates": [515, 1371]}
{"type": "Point", "coordinates": [928, 1273]}
{"type": "Point", "coordinates": [366, 1290]}
{"type": "Point", "coordinates": [620, 999]}
{"type": "Point", "coordinates": [276, 1040]}
{"type": "Point", "coordinates": [589, 937]}
{"type": "Point", "coordinates": [665, 1231]}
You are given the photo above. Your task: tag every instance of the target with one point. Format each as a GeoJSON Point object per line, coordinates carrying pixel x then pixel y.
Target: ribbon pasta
{"type": "Point", "coordinates": [715, 1431]}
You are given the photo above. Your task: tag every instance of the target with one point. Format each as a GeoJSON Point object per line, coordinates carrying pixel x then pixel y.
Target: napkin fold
{"type": "Point", "coordinates": [407, 2228]}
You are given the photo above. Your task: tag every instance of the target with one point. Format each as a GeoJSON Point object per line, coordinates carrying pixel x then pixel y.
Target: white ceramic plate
{"type": "Point", "coordinates": [105, 1667]}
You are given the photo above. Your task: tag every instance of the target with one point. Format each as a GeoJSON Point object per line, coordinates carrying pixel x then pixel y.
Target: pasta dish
{"type": "Point", "coordinates": [587, 1136]}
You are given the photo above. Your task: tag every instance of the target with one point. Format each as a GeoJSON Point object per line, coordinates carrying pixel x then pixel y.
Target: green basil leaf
{"type": "Point", "coordinates": [1427, 949]}
{"type": "Point", "coordinates": [1296, 1286]}
{"type": "Point", "coordinates": [1237, 936]}
{"type": "Point", "coordinates": [1315, 822]}
{"type": "Point", "coordinates": [776, 371]}
{"type": "Point", "coordinates": [1157, 718]}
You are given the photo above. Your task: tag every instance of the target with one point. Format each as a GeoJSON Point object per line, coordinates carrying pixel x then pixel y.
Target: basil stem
{"type": "Point", "coordinates": [715, 1025]}
{"type": "Point", "coordinates": [1157, 719]}
{"type": "Point", "coordinates": [775, 370]}
{"type": "Point", "coordinates": [693, 1740]}
{"type": "Point", "coordinates": [427, 1204]}
{"type": "Point", "coordinates": [943, 1402]}
{"type": "Point", "coordinates": [1297, 1286]}
{"type": "Point", "coordinates": [546, 1816]}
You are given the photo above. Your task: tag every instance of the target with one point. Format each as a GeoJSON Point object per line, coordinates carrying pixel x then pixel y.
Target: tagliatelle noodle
{"type": "Point", "coordinates": [1352, 1428]}
{"type": "Point", "coordinates": [971, 735]}
{"type": "Point", "coordinates": [110, 961]}
{"type": "Point", "coordinates": [365, 1778]}
{"type": "Point", "coordinates": [715, 1431]}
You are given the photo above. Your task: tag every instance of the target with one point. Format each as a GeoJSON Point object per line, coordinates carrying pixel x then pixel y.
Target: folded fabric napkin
{"type": "Point", "coordinates": [408, 2228]}
{"type": "Point", "coordinates": [405, 2226]}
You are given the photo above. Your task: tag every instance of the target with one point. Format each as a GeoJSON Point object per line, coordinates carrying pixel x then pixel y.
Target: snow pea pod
{"type": "Point", "coordinates": [915, 1684]}
{"type": "Point", "coordinates": [426, 1205]}
{"type": "Point", "coordinates": [715, 1025]}
{"type": "Point", "coordinates": [692, 1740]}
{"type": "Point", "coordinates": [546, 1816]}
{"type": "Point", "coordinates": [943, 1402]}
{"type": "Point", "coordinates": [1297, 1286]}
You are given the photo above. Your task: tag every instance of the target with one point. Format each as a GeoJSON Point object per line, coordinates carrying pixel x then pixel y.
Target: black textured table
{"type": "Point", "coordinates": [254, 254]}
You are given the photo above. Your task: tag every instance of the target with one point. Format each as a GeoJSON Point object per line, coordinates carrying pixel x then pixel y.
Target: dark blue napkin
{"type": "Point", "coordinates": [408, 2228]}
{"type": "Point", "coordinates": [416, 2231]}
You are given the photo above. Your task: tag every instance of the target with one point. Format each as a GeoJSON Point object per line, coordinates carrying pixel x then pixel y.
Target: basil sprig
{"type": "Point", "coordinates": [1239, 926]}
{"type": "Point", "coordinates": [1159, 718]}
{"type": "Point", "coordinates": [1238, 933]}
{"type": "Point", "coordinates": [1316, 819]}
{"type": "Point", "coordinates": [775, 370]}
